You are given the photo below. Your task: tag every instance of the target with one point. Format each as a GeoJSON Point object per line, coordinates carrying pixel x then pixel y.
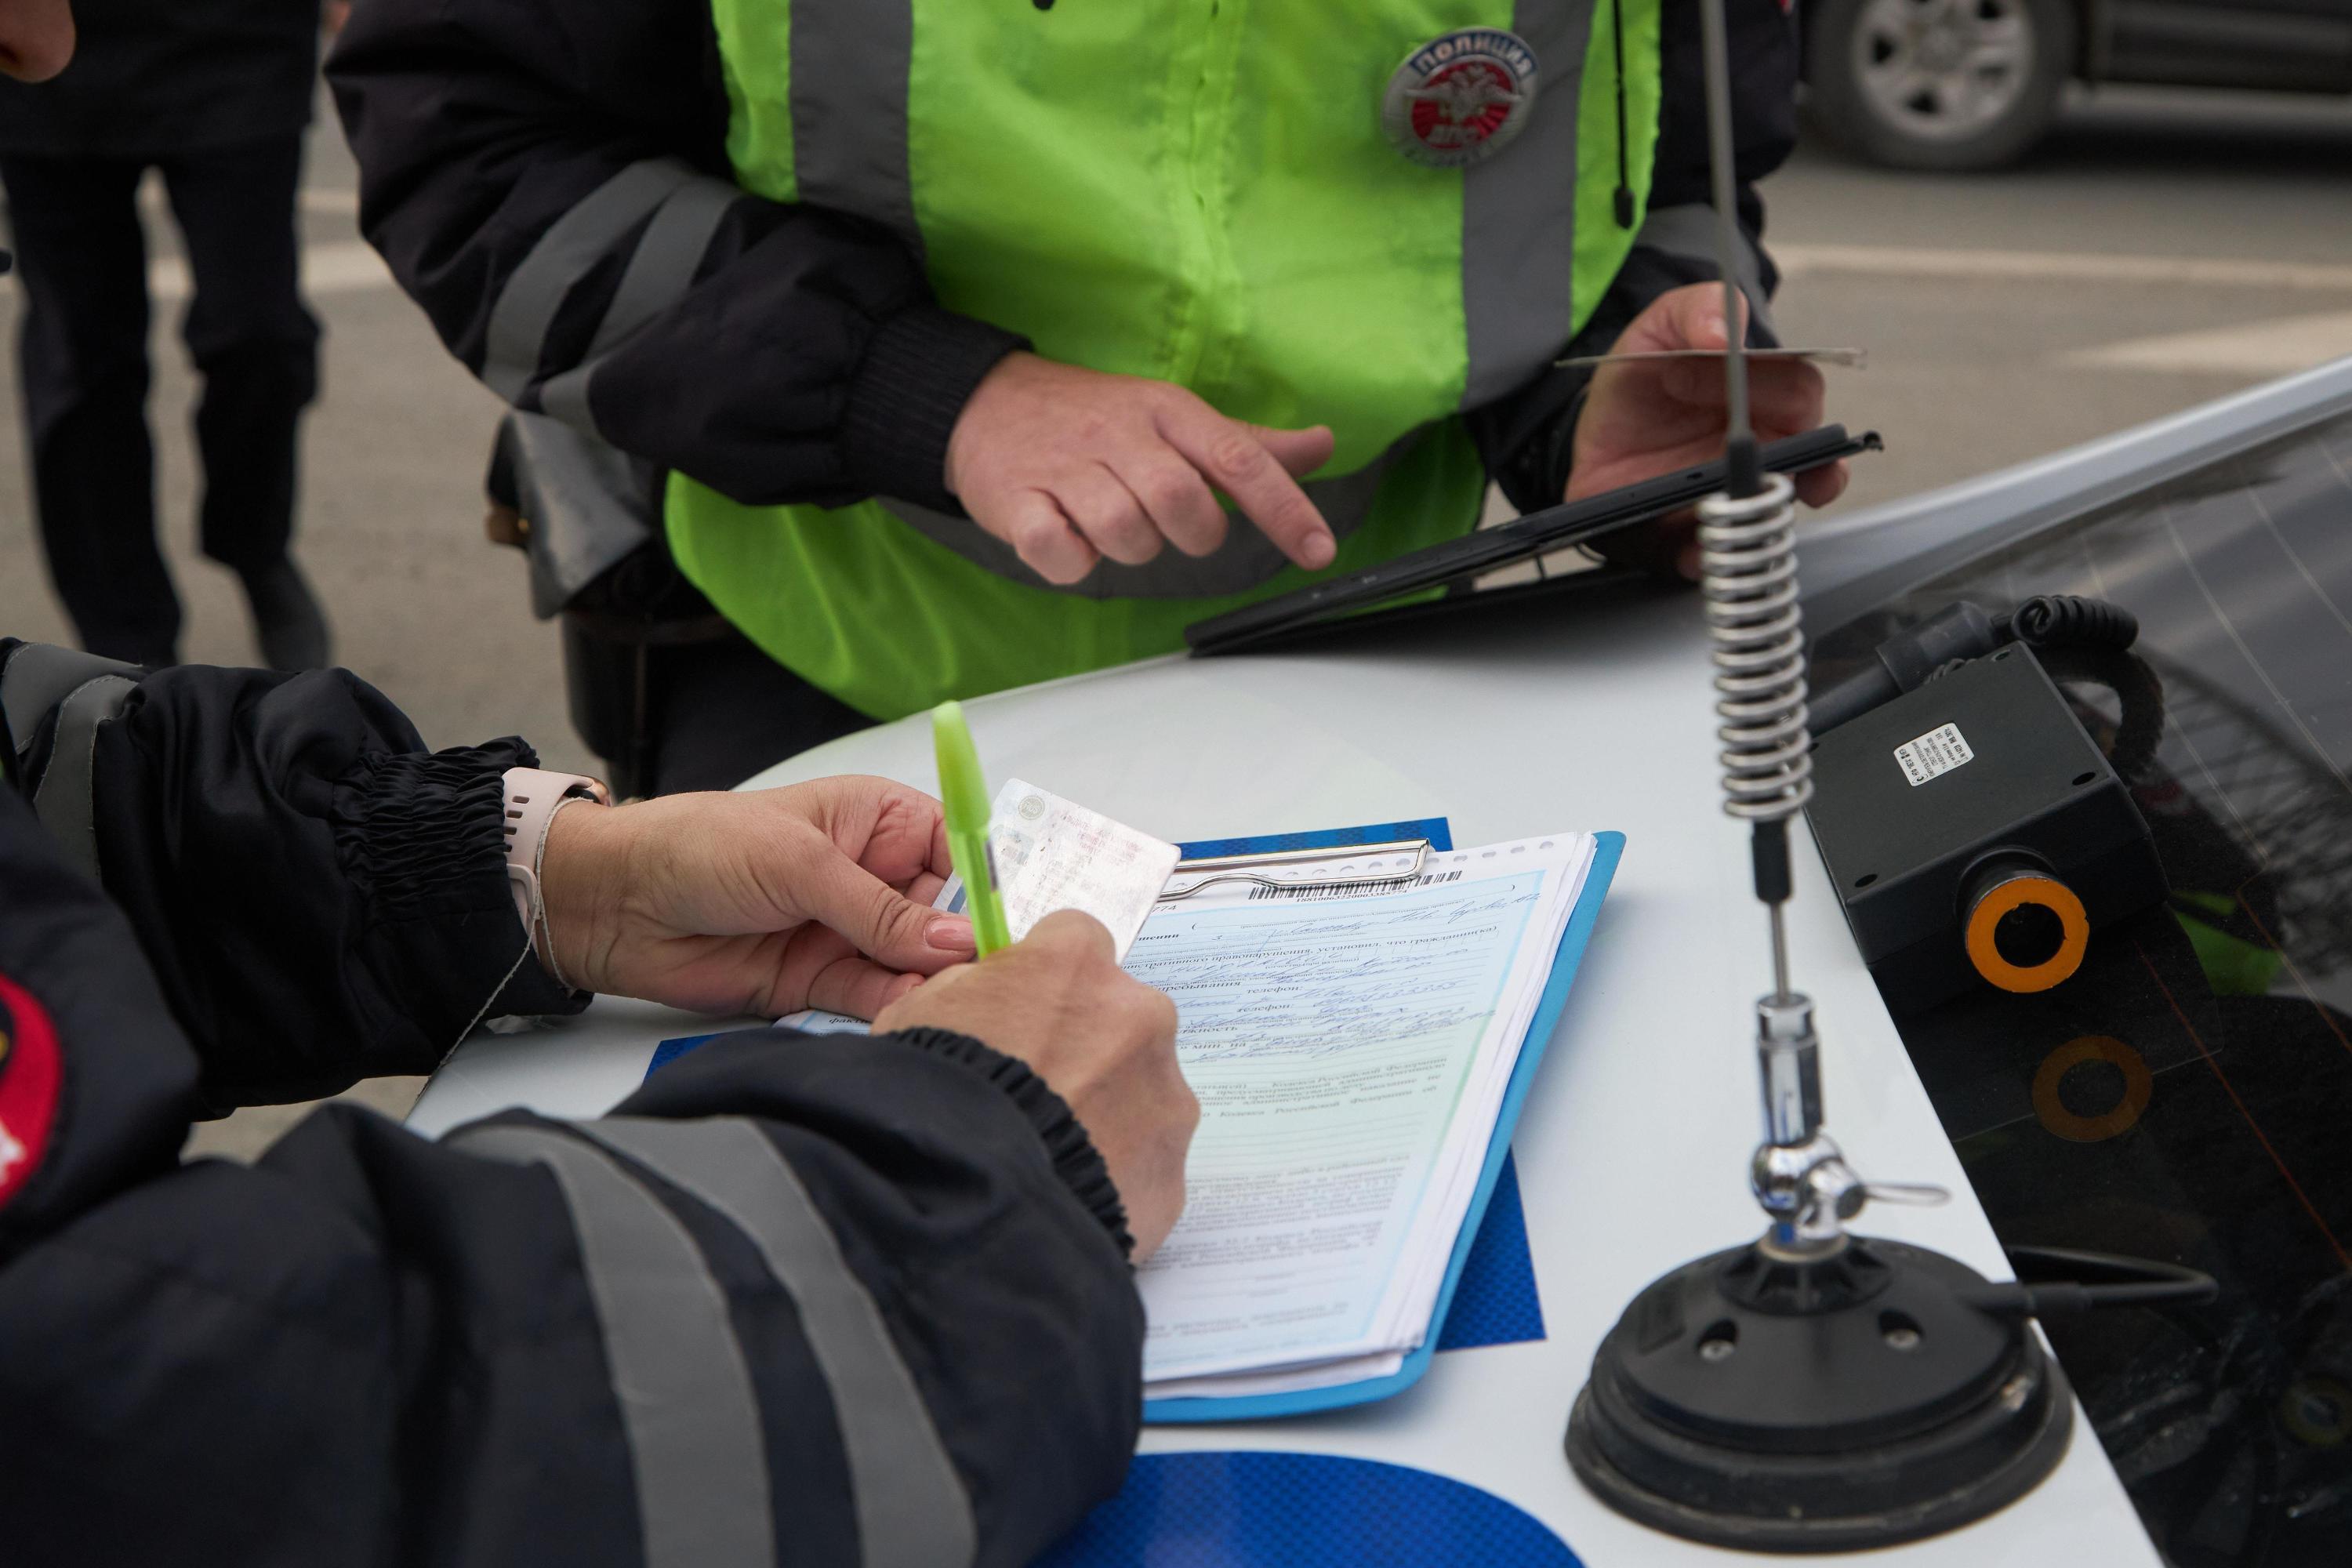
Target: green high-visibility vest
{"type": "Point", "coordinates": [1198, 191]}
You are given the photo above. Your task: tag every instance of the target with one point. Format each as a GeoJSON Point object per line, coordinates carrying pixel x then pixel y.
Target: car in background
{"type": "Point", "coordinates": [1972, 84]}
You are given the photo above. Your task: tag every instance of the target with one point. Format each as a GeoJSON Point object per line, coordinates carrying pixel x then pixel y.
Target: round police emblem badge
{"type": "Point", "coordinates": [1461, 99]}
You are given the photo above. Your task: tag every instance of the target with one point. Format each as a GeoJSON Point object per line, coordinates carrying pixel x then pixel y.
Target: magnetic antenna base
{"type": "Point", "coordinates": [1852, 1401]}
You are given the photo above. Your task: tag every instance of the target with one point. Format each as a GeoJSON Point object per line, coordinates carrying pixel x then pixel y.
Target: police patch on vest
{"type": "Point", "coordinates": [1461, 99]}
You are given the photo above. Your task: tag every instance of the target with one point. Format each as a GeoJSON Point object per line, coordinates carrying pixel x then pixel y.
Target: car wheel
{"type": "Point", "coordinates": [1938, 84]}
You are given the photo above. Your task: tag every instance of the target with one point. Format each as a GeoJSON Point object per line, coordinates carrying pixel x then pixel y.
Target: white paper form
{"type": "Point", "coordinates": [1350, 1055]}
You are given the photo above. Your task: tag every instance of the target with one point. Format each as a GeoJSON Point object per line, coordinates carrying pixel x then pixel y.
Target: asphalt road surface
{"type": "Point", "coordinates": [2160, 250]}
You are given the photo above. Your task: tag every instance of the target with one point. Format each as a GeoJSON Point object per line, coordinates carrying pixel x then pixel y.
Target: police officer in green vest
{"type": "Point", "coordinates": [989, 340]}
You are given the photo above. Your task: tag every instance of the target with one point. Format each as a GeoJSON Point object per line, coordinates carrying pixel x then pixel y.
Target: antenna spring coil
{"type": "Point", "coordinates": [1748, 550]}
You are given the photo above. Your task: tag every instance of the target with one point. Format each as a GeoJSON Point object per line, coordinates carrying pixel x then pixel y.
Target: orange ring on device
{"type": "Point", "coordinates": [2015, 893]}
{"type": "Point", "coordinates": [2140, 1084]}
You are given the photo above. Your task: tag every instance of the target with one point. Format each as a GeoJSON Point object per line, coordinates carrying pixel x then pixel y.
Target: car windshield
{"type": "Point", "coordinates": [2188, 1095]}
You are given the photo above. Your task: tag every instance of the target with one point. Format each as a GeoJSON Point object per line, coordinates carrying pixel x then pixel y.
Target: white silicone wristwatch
{"type": "Point", "coordinates": [534, 796]}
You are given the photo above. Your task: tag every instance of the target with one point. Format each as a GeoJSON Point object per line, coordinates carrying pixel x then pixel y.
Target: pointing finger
{"type": "Point", "coordinates": [1300, 452]}
{"type": "Point", "coordinates": [1230, 454]}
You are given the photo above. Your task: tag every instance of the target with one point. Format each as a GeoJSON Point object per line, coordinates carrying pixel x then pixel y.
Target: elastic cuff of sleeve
{"type": "Point", "coordinates": [422, 836]}
{"type": "Point", "coordinates": [919, 372]}
{"type": "Point", "coordinates": [424, 833]}
{"type": "Point", "coordinates": [1075, 1159]}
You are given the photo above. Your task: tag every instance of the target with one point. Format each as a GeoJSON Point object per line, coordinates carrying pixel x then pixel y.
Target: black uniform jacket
{"type": "Point", "coordinates": [154, 77]}
{"type": "Point", "coordinates": [801, 357]}
{"type": "Point", "coordinates": [797, 1301]}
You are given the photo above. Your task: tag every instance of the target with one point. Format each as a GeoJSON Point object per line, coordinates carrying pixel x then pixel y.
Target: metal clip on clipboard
{"type": "Point", "coordinates": [1349, 864]}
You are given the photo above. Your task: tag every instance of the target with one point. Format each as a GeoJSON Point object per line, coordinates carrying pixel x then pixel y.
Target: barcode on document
{"type": "Point", "coordinates": [1350, 890]}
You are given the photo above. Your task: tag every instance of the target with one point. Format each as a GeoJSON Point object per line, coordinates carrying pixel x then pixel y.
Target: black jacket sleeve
{"type": "Point", "coordinates": [798, 358]}
{"type": "Point", "coordinates": [798, 1301]}
{"type": "Point", "coordinates": [1526, 437]}
{"type": "Point", "coordinates": [320, 899]}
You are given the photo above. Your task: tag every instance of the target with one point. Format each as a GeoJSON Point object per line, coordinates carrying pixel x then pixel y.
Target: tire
{"type": "Point", "coordinates": [1938, 84]}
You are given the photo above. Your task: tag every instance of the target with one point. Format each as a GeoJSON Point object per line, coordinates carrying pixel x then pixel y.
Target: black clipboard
{"type": "Point", "coordinates": [1538, 533]}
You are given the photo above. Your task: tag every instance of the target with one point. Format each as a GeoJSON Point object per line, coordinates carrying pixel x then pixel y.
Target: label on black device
{"type": "Point", "coordinates": [1933, 754]}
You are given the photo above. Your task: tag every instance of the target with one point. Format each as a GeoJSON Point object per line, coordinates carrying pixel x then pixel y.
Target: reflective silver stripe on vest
{"type": "Point", "coordinates": [566, 253]}
{"type": "Point", "coordinates": [912, 1511]}
{"type": "Point", "coordinates": [67, 800]}
{"type": "Point", "coordinates": [658, 275]}
{"type": "Point", "coordinates": [686, 1404]}
{"type": "Point", "coordinates": [1247, 559]}
{"type": "Point", "coordinates": [1518, 217]}
{"type": "Point", "coordinates": [849, 110]}
{"type": "Point", "coordinates": [1687, 233]}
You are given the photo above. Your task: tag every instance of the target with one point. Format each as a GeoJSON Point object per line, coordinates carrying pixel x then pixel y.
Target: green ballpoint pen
{"type": "Point", "coordinates": [965, 794]}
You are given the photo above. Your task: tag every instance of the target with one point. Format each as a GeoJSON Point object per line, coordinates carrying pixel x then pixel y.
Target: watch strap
{"type": "Point", "coordinates": [531, 798]}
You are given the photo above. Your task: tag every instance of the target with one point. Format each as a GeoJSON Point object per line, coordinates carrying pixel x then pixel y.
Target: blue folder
{"type": "Point", "coordinates": [1261, 1406]}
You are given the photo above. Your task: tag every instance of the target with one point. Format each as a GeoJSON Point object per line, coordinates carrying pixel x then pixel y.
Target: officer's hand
{"type": "Point", "coordinates": [768, 902]}
{"type": "Point", "coordinates": [1103, 1041]}
{"type": "Point", "coordinates": [1068, 466]}
{"type": "Point", "coordinates": [1644, 420]}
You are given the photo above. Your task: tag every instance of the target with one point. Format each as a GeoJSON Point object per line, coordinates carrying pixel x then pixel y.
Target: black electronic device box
{"type": "Point", "coordinates": [1975, 833]}
{"type": "Point", "coordinates": [1457, 561]}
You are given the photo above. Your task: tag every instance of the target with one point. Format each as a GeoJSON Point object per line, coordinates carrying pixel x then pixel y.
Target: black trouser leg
{"type": "Point", "coordinates": [253, 343]}
{"type": "Point", "coordinates": [82, 352]}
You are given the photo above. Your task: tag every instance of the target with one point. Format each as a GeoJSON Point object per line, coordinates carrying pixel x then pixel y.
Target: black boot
{"type": "Point", "coordinates": [286, 618]}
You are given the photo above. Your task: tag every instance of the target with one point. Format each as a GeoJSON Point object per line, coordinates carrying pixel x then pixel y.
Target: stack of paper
{"type": "Point", "coordinates": [1351, 1054]}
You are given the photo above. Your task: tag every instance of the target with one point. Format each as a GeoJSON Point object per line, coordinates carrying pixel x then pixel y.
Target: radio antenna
{"type": "Point", "coordinates": [1746, 475]}
{"type": "Point", "coordinates": [1812, 1390]}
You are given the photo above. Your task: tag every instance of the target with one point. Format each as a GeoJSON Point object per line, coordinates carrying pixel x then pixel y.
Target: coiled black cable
{"type": "Point", "coordinates": [1962, 632]}
{"type": "Point", "coordinates": [2069, 620]}
{"type": "Point", "coordinates": [2139, 692]}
